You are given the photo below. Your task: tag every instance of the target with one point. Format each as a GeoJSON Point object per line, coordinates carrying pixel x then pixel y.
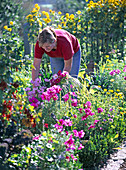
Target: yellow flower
{"type": "Point", "coordinates": [29, 16]}
{"type": "Point", "coordinates": [11, 22]}
{"type": "Point", "coordinates": [112, 80]}
{"type": "Point", "coordinates": [78, 12]}
{"type": "Point", "coordinates": [105, 90]}
{"type": "Point", "coordinates": [67, 15]}
{"type": "Point", "coordinates": [5, 27]}
{"type": "Point", "coordinates": [111, 91]}
{"type": "Point", "coordinates": [59, 12]}
{"type": "Point", "coordinates": [72, 16]}
{"type": "Point", "coordinates": [107, 56]}
{"type": "Point", "coordinates": [9, 29]}
{"type": "Point", "coordinates": [34, 10]}
{"type": "Point", "coordinates": [50, 11]}
{"type": "Point", "coordinates": [59, 27]}
{"type": "Point", "coordinates": [36, 5]}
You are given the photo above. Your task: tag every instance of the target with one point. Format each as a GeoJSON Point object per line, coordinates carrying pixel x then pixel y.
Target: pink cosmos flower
{"type": "Point", "coordinates": [75, 116]}
{"type": "Point", "coordinates": [81, 134]}
{"type": "Point", "coordinates": [72, 156]}
{"type": "Point", "coordinates": [88, 104]}
{"type": "Point", "coordinates": [66, 97]}
{"type": "Point", "coordinates": [96, 121]}
{"type": "Point", "coordinates": [84, 117]}
{"type": "Point", "coordinates": [61, 121]}
{"type": "Point", "coordinates": [80, 147]}
{"type": "Point", "coordinates": [117, 71]}
{"type": "Point", "coordinates": [75, 133]}
{"type": "Point", "coordinates": [36, 137]}
{"type": "Point", "coordinates": [68, 122]}
{"type": "Point", "coordinates": [112, 73]}
{"type": "Point", "coordinates": [80, 110]}
{"type": "Point", "coordinates": [58, 127]}
{"type": "Point", "coordinates": [69, 142]}
{"type": "Point", "coordinates": [92, 126]}
{"type": "Point", "coordinates": [66, 133]}
{"type": "Point", "coordinates": [55, 97]}
{"type": "Point", "coordinates": [74, 102]}
{"type": "Point", "coordinates": [57, 88]}
{"type": "Point", "coordinates": [124, 70]}
{"type": "Point", "coordinates": [100, 110]}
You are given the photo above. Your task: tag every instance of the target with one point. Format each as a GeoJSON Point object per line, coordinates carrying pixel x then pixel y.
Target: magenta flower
{"type": "Point", "coordinates": [66, 133]}
{"type": "Point", "coordinates": [36, 137]}
{"type": "Point", "coordinates": [124, 70]}
{"type": "Point", "coordinates": [112, 73]}
{"type": "Point", "coordinates": [33, 100]}
{"type": "Point", "coordinates": [100, 110]}
{"type": "Point", "coordinates": [61, 121]}
{"type": "Point", "coordinates": [75, 116]}
{"type": "Point", "coordinates": [69, 142]}
{"type": "Point", "coordinates": [96, 121]}
{"type": "Point", "coordinates": [58, 127]}
{"type": "Point", "coordinates": [84, 117]}
{"type": "Point", "coordinates": [92, 126]}
{"type": "Point", "coordinates": [55, 97]}
{"type": "Point", "coordinates": [57, 88]}
{"type": "Point", "coordinates": [66, 97]}
{"type": "Point", "coordinates": [88, 104]}
{"type": "Point", "coordinates": [68, 122]}
{"type": "Point", "coordinates": [81, 134]}
{"type": "Point", "coordinates": [80, 110]}
{"type": "Point", "coordinates": [75, 133]}
{"type": "Point", "coordinates": [74, 102]}
{"type": "Point", "coordinates": [111, 109]}
{"type": "Point", "coordinates": [72, 156]}
{"type": "Point", "coordinates": [80, 147]}
{"type": "Point", "coordinates": [124, 78]}
{"type": "Point", "coordinates": [117, 71]}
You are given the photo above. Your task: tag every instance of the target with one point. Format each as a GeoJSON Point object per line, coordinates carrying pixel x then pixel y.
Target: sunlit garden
{"type": "Point", "coordinates": [64, 123]}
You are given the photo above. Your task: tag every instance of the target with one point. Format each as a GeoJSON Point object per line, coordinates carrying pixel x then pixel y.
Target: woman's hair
{"type": "Point", "coordinates": [47, 35]}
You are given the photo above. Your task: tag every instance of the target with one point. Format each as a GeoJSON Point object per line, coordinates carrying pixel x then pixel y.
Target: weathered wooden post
{"type": "Point", "coordinates": [27, 47]}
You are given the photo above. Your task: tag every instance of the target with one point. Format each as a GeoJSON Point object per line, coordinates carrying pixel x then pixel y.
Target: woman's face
{"type": "Point", "coordinates": [49, 46]}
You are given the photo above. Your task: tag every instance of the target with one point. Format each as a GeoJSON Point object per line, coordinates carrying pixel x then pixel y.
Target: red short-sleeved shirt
{"type": "Point", "coordinates": [67, 45]}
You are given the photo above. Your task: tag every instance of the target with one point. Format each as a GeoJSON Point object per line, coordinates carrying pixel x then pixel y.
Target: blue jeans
{"type": "Point", "coordinates": [58, 64]}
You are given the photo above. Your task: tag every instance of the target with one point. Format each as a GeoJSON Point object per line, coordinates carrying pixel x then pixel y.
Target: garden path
{"type": "Point", "coordinates": [117, 160]}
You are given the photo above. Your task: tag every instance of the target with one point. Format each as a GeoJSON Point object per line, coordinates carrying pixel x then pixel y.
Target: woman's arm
{"type": "Point", "coordinates": [68, 65]}
{"type": "Point", "coordinates": [36, 69]}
